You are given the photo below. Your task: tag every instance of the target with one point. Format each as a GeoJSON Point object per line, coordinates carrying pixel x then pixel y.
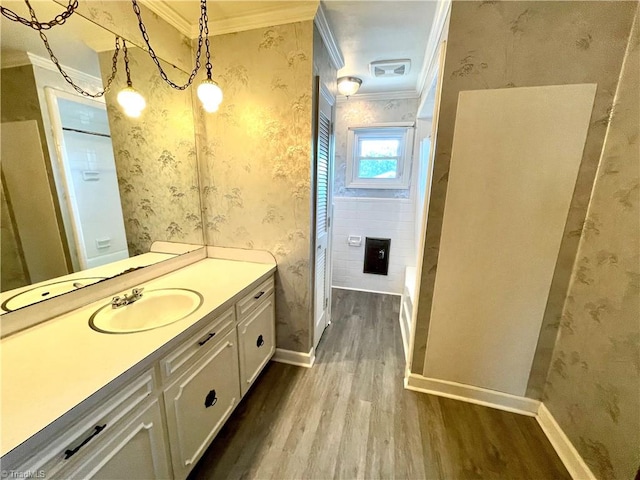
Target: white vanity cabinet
{"type": "Point", "coordinates": [160, 416]}
{"type": "Point", "coordinates": [121, 439]}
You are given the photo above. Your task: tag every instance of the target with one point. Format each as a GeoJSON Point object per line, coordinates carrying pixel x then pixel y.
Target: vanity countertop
{"type": "Point", "coordinates": [54, 366]}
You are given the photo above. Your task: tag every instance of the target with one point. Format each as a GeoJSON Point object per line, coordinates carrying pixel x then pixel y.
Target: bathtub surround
{"type": "Point", "coordinates": [255, 160]}
{"type": "Point", "coordinates": [593, 388]}
{"type": "Point", "coordinates": [155, 157]}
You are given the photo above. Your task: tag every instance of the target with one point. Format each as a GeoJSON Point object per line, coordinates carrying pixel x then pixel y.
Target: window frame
{"type": "Point", "coordinates": [403, 130]}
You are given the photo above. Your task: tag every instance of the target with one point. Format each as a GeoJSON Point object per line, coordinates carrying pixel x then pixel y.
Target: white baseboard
{"type": "Point", "coordinates": [570, 457]}
{"type": "Point", "coordinates": [366, 291]}
{"type": "Point", "coordinates": [291, 357]}
{"type": "Point", "coordinates": [572, 460]}
{"type": "Point", "coordinates": [472, 394]}
{"type": "Point", "coordinates": [404, 329]}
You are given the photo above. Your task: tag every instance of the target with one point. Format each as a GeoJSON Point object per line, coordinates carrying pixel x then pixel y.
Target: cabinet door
{"type": "Point", "coordinates": [256, 337]}
{"type": "Point", "coordinates": [137, 450]}
{"type": "Point", "coordinates": [199, 402]}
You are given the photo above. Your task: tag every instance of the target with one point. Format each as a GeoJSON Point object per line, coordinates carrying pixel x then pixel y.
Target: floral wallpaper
{"type": "Point", "coordinates": [255, 161]}
{"type": "Point", "coordinates": [364, 112]}
{"type": "Point", "coordinates": [518, 44]}
{"type": "Point", "coordinates": [155, 157]}
{"type": "Point", "coordinates": [593, 387]}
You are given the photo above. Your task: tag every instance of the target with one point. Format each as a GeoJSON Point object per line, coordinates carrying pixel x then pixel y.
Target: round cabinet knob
{"type": "Point", "coordinates": [260, 341]}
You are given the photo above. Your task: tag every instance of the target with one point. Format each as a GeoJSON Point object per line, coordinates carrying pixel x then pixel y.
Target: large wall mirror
{"type": "Point", "coordinates": [84, 186]}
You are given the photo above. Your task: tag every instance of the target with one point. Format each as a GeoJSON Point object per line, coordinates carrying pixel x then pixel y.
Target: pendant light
{"type": "Point", "coordinates": [129, 98]}
{"type": "Point", "coordinates": [210, 95]}
{"type": "Point", "coordinates": [209, 92]}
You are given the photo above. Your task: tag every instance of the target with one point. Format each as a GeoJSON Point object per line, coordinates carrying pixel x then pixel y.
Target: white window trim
{"type": "Point", "coordinates": [402, 182]}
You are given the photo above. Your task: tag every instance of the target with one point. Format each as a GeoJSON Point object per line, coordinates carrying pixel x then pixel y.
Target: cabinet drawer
{"type": "Point", "coordinates": [179, 360]}
{"type": "Point", "coordinates": [253, 299]}
{"type": "Point", "coordinates": [72, 447]}
{"type": "Point", "coordinates": [256, 340]}
{"type": "Point", "coordinates": [199, 402]}
{"type": "Point", "coordinates": [136, 450]}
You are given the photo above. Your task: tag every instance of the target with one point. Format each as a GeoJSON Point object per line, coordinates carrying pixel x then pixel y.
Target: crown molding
{"type": "Point", "coordinates": [302, 11]}
{"type": "Point", "coordinates": [378, 96]}
{"type": "Point", "coordinates": [329, 40]}
{"type": "Point", "coordinates": [169, 15]}
{"type": "Point", "coordinates": [77, 75]}
{"type": "Point", "coordinates": [430, 63]}
{"type": "Point", "coordinates": [268, 17]}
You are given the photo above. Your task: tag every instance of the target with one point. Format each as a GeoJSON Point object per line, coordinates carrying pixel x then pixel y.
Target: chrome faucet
{"type": "Point", "coordinates": [136, 294]}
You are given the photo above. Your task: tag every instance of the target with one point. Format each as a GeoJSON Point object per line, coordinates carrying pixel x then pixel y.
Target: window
{"type": "Point", "coordinates": [379, 156]}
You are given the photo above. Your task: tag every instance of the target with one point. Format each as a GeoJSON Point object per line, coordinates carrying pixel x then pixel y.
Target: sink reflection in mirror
{"type": "Point", "coordinates": [48, 290]}
{"type": "Point", "coordinates": [153, 309]}
{"type": "Point", "coordinates": [83, 185]}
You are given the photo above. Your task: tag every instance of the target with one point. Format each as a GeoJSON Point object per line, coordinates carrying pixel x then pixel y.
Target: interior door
{"type": "Point", "coordinates": [88, 170]}
{"type": "Point", "coordinates": [323, 162]}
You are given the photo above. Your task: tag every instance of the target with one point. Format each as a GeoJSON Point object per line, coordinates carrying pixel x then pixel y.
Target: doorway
{"type": "Point", "coordinates": [86, 166]}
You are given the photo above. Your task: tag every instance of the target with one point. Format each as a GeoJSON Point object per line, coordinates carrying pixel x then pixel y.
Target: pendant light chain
{"type": "Point", "coordinates": [202, 27]}
{"type": "Point", "coordinates": [126, 62]}
{"type": "Point", "coordinates": [34, 23]}
{"type": "Point", "coordinates": [206, 41]}
{"type": "Point", "coordinates": [209, 92]}
{"type": "Point", "coordinates": [65, 75]}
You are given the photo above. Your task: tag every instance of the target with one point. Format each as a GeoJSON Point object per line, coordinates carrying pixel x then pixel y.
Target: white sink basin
{"type": "Point", "coordinates": [48, 290]}
{"type": "Point", "coordinates": [155, 309]}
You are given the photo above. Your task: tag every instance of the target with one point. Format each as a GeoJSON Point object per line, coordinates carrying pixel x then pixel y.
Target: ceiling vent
{"type": "Point", "coordinates": [390, 68]}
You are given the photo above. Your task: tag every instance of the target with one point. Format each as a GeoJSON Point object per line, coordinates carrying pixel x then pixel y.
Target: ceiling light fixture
{"type": "Point", "coordinates": [348, 86]}
{"type": "Point", "coordinates": [129, 98]}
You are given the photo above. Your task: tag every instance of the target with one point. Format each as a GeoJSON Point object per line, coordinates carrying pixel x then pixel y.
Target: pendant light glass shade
{"type": "Point", "coordinates": [131, 101]}
{"type": "Point", "coordinates": [210, 95]}
{"type": "Point", "coordinates": [348, 86]}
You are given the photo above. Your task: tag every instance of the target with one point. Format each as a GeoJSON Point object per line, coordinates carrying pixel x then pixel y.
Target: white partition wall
{"type": "Point", "coordinates": [516, 154]}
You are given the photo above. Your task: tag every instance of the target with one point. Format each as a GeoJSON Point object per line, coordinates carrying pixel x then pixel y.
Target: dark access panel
{"type": "Point", "coordinates": [376, 255]}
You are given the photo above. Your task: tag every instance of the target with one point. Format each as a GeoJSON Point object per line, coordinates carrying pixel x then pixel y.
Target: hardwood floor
{"type": "Point", "coordinates": [350, 417]}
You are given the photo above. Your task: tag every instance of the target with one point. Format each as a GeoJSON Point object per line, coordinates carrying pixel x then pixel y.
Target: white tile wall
{"type": "Point", "coordinates": [372, 217]}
